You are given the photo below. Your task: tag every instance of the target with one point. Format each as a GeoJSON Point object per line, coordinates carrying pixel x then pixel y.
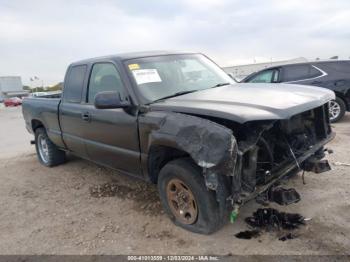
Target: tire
{"type": "Point", "coordinates": [48, 153]}
{"type": "Point", "coordinates": [337, 109]}
{"type": "Point", "coordinates": [208, 219]}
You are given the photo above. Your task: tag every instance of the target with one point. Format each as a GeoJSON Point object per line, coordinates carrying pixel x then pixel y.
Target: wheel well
{"type": "Point", "coordinates": [342, 97]}
{"type": "Point", "coordinates": [159, 156]}
{"type": "Point", "coordinates": [36, 124]}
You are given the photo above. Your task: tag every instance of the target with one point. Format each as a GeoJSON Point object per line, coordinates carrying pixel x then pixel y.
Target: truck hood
{"type": "Point", "coordinates": [248, 102]}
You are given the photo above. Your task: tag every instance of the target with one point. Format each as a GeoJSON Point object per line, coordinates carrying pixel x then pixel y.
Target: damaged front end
{"type": "Point", "coordinates": [240, 161]}
{"type": "Point", "coordinates": [280, 149]}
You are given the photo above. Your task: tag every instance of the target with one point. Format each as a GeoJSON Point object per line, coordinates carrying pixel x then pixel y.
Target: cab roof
{"type": "Point", "coordinates": [132, 55]}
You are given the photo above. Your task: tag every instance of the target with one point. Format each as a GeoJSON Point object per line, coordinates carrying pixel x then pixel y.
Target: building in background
{"type": "Point", "coordinates": [241, 71]}
{"type": "Point", "coordinates": [11, 86]}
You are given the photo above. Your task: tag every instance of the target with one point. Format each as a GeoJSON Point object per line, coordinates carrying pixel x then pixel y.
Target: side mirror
{"type": "Point", "coordinates": [109, 100]}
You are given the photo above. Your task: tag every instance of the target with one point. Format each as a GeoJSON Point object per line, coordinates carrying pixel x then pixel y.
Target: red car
{"type": "Point", "coordinates": [13, 101]}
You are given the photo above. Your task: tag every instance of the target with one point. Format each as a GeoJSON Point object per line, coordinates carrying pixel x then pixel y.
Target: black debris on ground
{"type": "Point", "coordinates": [248, 234]}
{"type": "Point", "coordinates": [287, 237]}
{"type": "Point", "coordinates": [270, 219]}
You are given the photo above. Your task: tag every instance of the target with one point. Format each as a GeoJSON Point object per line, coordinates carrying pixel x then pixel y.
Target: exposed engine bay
{"type": "Point", "coordinates": [281, 147]}
{"type": "Point", "coordinates": [242, 161]}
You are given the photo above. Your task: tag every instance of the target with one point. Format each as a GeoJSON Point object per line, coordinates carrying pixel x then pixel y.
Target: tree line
{"type": "Point", "coordinates": [56, 87]}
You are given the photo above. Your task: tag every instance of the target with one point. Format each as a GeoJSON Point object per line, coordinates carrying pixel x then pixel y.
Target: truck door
{"type": "Point", "coordinates": [111, 135]}
{"type": "Point", "coordinates": [70, 110]}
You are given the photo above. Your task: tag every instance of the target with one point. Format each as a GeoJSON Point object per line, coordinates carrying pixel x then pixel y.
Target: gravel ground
{"type": "Point", "coordinates": [81, 208]}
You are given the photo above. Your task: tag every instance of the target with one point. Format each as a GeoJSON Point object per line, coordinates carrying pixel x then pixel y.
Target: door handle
{"type": "Point", "coordinates": [86, 116]}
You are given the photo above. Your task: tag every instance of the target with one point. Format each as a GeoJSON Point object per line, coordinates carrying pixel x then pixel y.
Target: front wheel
{"type": "Point", "coordinates": [48, 153]}
{"type": "Point", "coordinates": [186, 199]}
{"type": "Point", "coordinates": [337, 109]}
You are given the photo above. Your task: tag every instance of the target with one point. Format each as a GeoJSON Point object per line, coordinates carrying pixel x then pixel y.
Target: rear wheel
{"type": "Point", "coordinates": [48, 153]}
{"type": "Point", "coordinates": [186, 199]}
{"type": "Point", "coordinates": [337, 109]}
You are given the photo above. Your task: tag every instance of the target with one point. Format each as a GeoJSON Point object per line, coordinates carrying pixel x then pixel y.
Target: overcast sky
{"type": "Point", "coordinates": [42, 37]}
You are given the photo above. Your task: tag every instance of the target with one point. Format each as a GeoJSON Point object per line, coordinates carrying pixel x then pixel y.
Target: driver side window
{"type": "Point", "coordinates": [104, 77]}
{"type": "Point", "coordinates": [268, 76]}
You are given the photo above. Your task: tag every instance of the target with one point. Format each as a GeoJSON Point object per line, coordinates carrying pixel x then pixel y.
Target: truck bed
{"type": "Point", "coordinates": [45, 110]}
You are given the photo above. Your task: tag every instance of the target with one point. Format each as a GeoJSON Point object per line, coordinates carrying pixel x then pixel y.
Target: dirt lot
{"type": "Point", "coordinates": [81, 208]}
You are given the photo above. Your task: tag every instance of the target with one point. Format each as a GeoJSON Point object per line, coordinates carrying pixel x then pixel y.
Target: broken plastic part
{"type": "Point", "coordinates": [283, 196]}
{"type": "Point", "coordinates": [248, 234]}
{"type": "Point", "coordinates": [208, 143]}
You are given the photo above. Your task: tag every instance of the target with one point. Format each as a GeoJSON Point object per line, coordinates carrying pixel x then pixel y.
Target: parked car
{"type": "Point", "coordinates": [39, 93]}
{"type": "Point", "coordinates": [179, 121]}
{"type": "Point", "coordinates": [13, 101]}
{"type": "Point", "coordinates": [333, 75]}
{"type": "Point", "coordinates": [52, 94]}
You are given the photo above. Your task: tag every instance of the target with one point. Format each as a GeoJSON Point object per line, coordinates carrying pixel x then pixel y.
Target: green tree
{"type": "Point", "coordinates": [56, 87]}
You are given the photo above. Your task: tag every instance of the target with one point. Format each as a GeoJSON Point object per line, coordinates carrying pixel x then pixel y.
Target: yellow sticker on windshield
{"type": "Point", "coordinates": [134, 66]}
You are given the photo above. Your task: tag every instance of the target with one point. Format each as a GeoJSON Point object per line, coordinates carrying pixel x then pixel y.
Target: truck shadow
{"type": "Point", "coordinates": [111, 183]}
{"type": "Point", "coordinates": [144, 195]}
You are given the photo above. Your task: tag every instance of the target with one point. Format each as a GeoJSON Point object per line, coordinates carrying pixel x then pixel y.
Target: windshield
{"type": "Point", "coordinates": [165, 76]}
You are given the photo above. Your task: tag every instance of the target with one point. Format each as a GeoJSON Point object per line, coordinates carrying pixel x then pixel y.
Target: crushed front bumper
{"type": "Point", "coordinates": [286, 170]}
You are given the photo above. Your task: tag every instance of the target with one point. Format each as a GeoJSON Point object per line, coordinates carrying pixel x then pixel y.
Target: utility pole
{"type": "Point", "coordinates": [35, 78]}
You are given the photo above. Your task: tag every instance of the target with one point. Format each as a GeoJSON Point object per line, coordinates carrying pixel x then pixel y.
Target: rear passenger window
{"type": "Point", "coordinates": [104, 77]}
{"type": "Point", "coordinates": [295, 72]}
{"type": "Point", "coordinates": [74, 84]}
{"type": "Point", "coordinates": [299, 72]}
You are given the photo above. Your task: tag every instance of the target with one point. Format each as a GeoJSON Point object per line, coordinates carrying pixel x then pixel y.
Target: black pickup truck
{"type": "Point", "coordinates": [177, 120]}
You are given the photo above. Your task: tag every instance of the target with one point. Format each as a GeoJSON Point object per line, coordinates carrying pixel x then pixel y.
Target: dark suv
{"type": "Point", "coordinates": [333, 75]}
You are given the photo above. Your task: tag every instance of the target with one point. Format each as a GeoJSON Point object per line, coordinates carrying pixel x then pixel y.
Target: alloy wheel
{"type": "Point", "coordinates": [334, 110]}
{"type": "Point", "coordinates": [43, 148]}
